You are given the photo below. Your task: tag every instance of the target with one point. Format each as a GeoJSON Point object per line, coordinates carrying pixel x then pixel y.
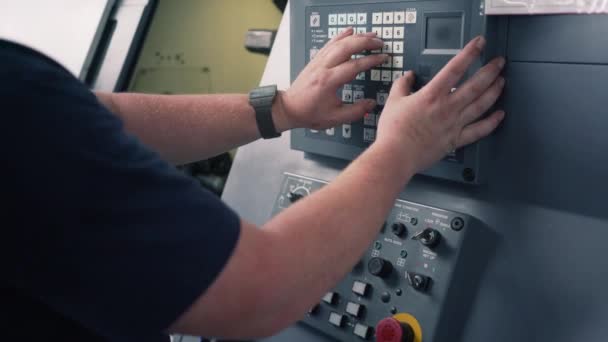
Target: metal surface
{"type": "Point", "coordinates": [545, 197]}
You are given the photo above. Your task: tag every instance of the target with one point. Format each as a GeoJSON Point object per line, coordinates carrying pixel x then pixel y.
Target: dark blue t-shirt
{"type": "Point", "coordinates": [101, 239]}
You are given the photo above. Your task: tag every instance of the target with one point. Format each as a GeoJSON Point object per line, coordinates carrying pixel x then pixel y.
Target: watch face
{"type": "Point", "coordinates": [265, 91]}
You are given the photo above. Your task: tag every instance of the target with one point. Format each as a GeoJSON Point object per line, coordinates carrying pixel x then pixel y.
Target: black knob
{"type": "Point", "coordinates": [379, 267]}
{"type": "Point", "coordinates": [418, 281]}
{"type": "Point", "coordinates": [399, 229]}
{"type": "Point", "coordinates": [428, 237]}
{"type": "Point", "coordinates": [294, 197]}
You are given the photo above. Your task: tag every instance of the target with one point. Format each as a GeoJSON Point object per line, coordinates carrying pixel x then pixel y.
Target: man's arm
{"type": "Point", "coordinates": [278, 272]}
{"type": "Point", "coordinates": [187, 128]}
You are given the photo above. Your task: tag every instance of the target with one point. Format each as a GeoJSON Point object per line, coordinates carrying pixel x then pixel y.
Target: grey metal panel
{"type": "Point", "coordinates": [559, 38]}
{"type": "Point", "coordinates": [545, 198]}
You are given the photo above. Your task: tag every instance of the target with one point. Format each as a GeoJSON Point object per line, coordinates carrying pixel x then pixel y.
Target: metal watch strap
{"type": "Point", "coordinates": [261, 100]}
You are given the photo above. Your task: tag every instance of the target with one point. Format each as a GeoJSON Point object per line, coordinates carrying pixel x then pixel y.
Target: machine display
{"type": "Point", "coordinates": [421, 36]}
{"type": "Point", "coordinates": [412, 280]}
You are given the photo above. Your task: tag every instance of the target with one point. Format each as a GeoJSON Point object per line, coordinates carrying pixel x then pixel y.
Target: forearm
{"type": "Point", "coordinates": [319, 239]}
{"type": "Point", "coordinates": [187, 128]}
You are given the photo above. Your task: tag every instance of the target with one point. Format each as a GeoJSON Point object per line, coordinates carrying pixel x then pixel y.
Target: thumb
{"type": "Point", "coordinates": [403, 86]}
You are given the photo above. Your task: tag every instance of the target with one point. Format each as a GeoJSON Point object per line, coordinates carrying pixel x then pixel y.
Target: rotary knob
{"type": "Point", "coordinates": [379, 267]}
{"type": "Point", "coordinates": [391, 330]}
{"type": "Point", "coordinates": [399, 229]}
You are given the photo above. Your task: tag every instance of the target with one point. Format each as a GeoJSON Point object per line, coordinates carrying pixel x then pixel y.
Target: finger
{"type": "Point", "coordinates": [476, 109]}
{"type": "Point", "coordinates": [348, 32]}
{"type": "Point", "coordinates": [343, 50]}
{"type": "Point", "coordinates": [480, 129]}
{"type": "Point", "coordinates": [402, 86]}
{"type": "Point", "coordinates": [453, 72]}
{"type": "Point", "coordinates": [354, 112]}
{"type": "Point", "coordinates": [478, 84]}
{"type": "Point", "coordinates": [347, 72]}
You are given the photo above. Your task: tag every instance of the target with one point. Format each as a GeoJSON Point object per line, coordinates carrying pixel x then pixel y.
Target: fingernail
{"type": "Point", "coordinates": [481, 43]}
{"type": "Point", "coordinates": [501, 81]}
{"type": "Point", "coordinates": [378, 40]}
{"type": "Point", "coordinates": [501, 115]}
{"type": "Point", "coordinates": [384, 56]}
{"type": "Point", "coordinates": [371, 103]}
{"type": "Point", "coordinates": [501, 62]}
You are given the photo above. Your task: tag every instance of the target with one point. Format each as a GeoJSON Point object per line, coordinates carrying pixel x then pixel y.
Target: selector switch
{"type": "Point", "coordinates": [294, 197]}
{"type": "Point", "coordinates": [418, 281]}
{"type": "Point", "coordinates": [331, 298]}
{"type": "Point", "coordinates": [391, 330]}
{"type": "Point", "coordinates": [428, 237]}
{"type": "Point", "coordinates": [399, 229]}
{"type": "Point", "coordinates": [379, 267]}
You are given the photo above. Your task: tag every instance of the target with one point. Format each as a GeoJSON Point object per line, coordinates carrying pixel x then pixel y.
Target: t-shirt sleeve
{"type": "Point", "coordinates": [106, 232]}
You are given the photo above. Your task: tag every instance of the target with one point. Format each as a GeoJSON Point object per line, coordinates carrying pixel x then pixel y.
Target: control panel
{"type": "Point", "coordinates": [415, 282]}
{"type": "Point", "coordinates": [419, 35]}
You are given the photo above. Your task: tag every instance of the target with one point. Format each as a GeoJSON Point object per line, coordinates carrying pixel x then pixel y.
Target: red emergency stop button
{"type": "Point", "coordinates": [391, 330]}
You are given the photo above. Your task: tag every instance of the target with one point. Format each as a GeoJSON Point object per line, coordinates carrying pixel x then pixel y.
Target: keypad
{"type": "Point", "coordinates": [375, 83]}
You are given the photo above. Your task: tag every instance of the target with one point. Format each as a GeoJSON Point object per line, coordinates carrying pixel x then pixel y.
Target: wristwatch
{"type": "Point", "coordinates": [261, 100]}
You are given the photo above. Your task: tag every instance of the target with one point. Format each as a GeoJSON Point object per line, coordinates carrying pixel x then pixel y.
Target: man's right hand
{"type": "Point", "coordinates": [429, 124]}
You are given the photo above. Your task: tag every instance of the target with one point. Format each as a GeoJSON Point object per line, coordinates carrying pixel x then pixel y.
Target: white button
{"type": "Point", "coordinates": [387, 76]}
{"type": "Point", "coordinates": [388, 47]}
{"type": "Point", "coordinates": [332, 32]}
{"type": "Point", "coordinates": [361, 30]}
{"type": "Point", "coordinates": [358, 95]}
{"type": "Point", "coordinates": [315, 20]}
{"type": "Point", "coordinates": [397, 75]}
{"type": "Point", "coordinates": [331, 132]}
{"type": "Point", "coordinates": [399, 18]}
{"type": "Point", "coordinates": [369, 135]}
{"type": "Point", "coordinates": [398, 47]}
{"type": "Point", "coordinates": [410, 17]}
{"type": "Point", "coordinates": [369, 120]}
{"type": "Point", "coordinates": [361, 18]}
{"type": "Point", "coordinates": [363, 331]}
{"type": "Point", "coordinates": [361, 76]}
{"type": "Point", "coordinates": [333, 19]}
{"type": "Point", "coordinates": [348, 86]}
{"type": "Point", "coordinates": [352, 18]}
{"type": "Point", "coordinates": [360, 288]}
{"type": "Point", "coordinates": [353, 309]}
{"type": "Point", "coordinates": [388, 63]}
{"type": "Point", "coordinates": [336, 319]}
{"type": "Point", "coordinates": [381, 98]}
{"type": "Point", "coordinates": [346, 131]}
{"type": "Point", "coordinates": [388, 18]}
{"type": "Point", "coordinates": [341, 30]}
{"type": "Point", "coordinates": [342, 19]}
{"type": "Point", "coordinates": [375, 75]}
{"type": "Point", "coordinates": [398, 62]}
{"type": "Point", "coordinates": [347, 96]}
{"type": "Point", "coordinates": [398, 32]}
{"type": "Point", "coordinates": [377, 31]}
{"type": "Point", "coordinates": [314, 131]}
{"type": "Point", "coordinates": [377, 18]}
{"type": "Point", "coordinates": [313, 53]}
{"type": "Point", "coordinates": [387, 32]}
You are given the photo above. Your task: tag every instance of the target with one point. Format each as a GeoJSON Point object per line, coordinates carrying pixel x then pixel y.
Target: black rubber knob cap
{"type": "Point", "coordinates": [399, 229]}
{"type": "Point", "coordinates": [379, 267]}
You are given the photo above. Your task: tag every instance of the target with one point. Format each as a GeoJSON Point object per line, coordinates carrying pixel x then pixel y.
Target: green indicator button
{"type": "Point", "coordinates": [377, 245]}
